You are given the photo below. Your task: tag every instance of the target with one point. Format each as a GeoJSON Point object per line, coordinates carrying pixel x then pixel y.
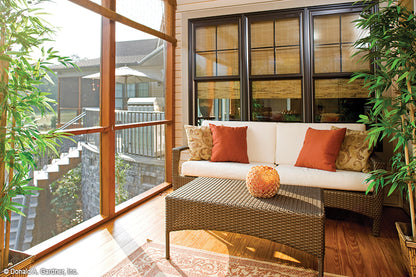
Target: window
{"type": "Point", "coordinates": [335, 99]}
{"type": "Point", "coordinates": [216, 71]}
{"type": "Point", "coordinates": [286, 65]}
{"type": "Point", "coordinates": [275, 68]}
{"type": "Point", "coordinates": [142, 90]}
{"type": "Point", "coordinates": [116, 153]}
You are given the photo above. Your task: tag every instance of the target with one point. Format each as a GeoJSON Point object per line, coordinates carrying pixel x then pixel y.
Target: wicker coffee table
{"type": "Point", "coordinates": [294, 217]}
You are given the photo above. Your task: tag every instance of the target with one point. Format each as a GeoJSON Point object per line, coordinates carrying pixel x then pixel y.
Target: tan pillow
{"type": "Point", "coordinates": [199, 142]}
{"type": "Point", "coordinates": [354, 153]}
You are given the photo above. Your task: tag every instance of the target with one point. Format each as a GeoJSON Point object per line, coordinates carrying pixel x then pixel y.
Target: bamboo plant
{"type": "Point", "coordinates": [390, 46]}
{"type": "Point", "coordinates": [22, 36]}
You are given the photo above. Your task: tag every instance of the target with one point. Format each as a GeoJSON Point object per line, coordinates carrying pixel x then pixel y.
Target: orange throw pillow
{"type": "Point", "coordinates": [320, 149]}
{"type": "Point", "coordinates": [229, 144]}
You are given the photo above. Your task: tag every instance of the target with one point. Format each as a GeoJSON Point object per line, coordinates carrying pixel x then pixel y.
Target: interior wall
{"type": "Point", "coordinates": [188, 9]}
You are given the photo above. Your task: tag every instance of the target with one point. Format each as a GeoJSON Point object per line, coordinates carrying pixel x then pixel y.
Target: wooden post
{"type": "Point", "coordinates": [107, 106]}
{"type": "Point", "coordinates": [4, 78]}
{"type": "Point", "coordinates": [8, 223]}
{"type": "Point", "coordinates": [407, 158]}
{"type": "Point", "coordinates": [170, 89]}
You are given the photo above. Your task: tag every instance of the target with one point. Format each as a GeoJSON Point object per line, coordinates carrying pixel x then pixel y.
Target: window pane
{"type": "Point", "coordinates": [79, 40]}
{"type": "Point", "coordinates": [227, 36]}
{"type": "Point", "coordinates": [262, 61]}
{"type": "Point", "coordinates": [205, 38]}
{"type": "Point", "coordinates": [140, 152]}
{"type": "Point", "coordinates": [277, 100]}
{"type": "Point", "coordinates": [69, 179]}
{"type": "Point", "coordinates": [119, 90]}
{"type": "Point", "coordinates": [326, 29]}
{"type": "Point", "coordinates": [217, 50]}
{"type": "Point", "coordinates": [206, 64]}
{"type": "Point", "coordinates": [139, 60]}
{"type": "Point", "coordinates": [352, 63]}
{"type": "Point", "coordinates": [261, 34]}
{"type": "Point", "coordinates": [327, 59]}
{"type": "Point", "coordinates": [287, 31]}
{"type": "Point", "coordinates": [70, 192]}
{"type": "Point", "coordinates": [337, 100]}
{"type": "Point", "coordinates": [218, 100]}
{"type": "Point", "coordinates": [350, 33]}
{"type": "Point", "coordinates": [140, 157]}
{"type": "Point", "coordinates": [227, 63]}
{"type": "Point", "coordinates": [287, 60]}
{"type": "Point", "coordinates": [147, 12]}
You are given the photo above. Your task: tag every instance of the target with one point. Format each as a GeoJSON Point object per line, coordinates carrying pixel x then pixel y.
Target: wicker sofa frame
{"type": "Point", "coordinates": [370, 204]}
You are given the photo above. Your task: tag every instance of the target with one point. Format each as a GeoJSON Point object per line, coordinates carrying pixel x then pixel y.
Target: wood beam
{"type": "Point", "coordinates": [112, 15]}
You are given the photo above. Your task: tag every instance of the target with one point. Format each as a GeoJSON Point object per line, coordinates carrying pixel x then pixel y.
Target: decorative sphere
{"type": "Point", "coordinates": [263, 181]}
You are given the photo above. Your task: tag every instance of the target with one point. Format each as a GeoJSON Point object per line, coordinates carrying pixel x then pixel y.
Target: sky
{"type": "Point", "coordinates": [79, 30]}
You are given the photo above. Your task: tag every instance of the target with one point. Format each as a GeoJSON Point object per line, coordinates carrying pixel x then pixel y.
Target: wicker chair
{"type": "Point", "coordinates": [370, 204]}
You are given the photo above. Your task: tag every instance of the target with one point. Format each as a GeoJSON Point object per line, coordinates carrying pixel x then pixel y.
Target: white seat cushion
{"type": "Point", "coordinates": [225, 170]}
{"type": "Point", "coordinates": [290, 137]}
{"type": "Point", "coordinates": [261, 139]}
{"type": "Point", "coordinates": [341, 179]}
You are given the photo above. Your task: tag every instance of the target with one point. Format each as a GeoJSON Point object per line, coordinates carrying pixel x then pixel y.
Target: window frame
{"type": "Point", "coordinates": [193, 79]}
{"type": "Point", "coordinates": [319, 11]}
{"type": "Point", "coordinates": [107, 128]}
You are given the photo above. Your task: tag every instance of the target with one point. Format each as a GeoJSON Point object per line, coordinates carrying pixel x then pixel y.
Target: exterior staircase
{"type": "Point", "coordinates": [23, 227]}
{"type": "Point", "coordinates": [58, 167]}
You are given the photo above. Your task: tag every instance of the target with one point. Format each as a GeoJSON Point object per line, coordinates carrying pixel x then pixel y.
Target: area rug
{"type": "Point", "coordinates": [149, 261]}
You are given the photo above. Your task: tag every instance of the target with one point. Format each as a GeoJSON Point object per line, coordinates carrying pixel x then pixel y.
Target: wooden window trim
{"type": "Point", "coordinates": [108, 127]}
{"type": "Point", "coordinates": [56, 242]}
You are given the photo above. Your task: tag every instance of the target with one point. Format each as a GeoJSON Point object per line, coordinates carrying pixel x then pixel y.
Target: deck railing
{"type": "Point", "coordinates": [146, 141]}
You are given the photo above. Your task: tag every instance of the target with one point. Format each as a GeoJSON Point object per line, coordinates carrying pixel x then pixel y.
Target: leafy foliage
{"type": "Point", "coordinates": [121, 168]}
{"type": "Point", "coordinates": [23, 34]}
{"type": "Point", "coordinates": [66, 202]}
{"type": "Point", "coordinates": [390, 47]}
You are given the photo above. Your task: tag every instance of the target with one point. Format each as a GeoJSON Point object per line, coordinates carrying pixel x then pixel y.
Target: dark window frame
{"type": "Point", "coordinates": [306, 74]}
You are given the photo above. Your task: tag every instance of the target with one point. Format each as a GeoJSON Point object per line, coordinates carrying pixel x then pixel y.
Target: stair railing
{"type": "Point", "coordinates": [72, 121]}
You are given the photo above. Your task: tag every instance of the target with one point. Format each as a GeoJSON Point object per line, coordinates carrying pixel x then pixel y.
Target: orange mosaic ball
{"type": "Point", "coordinates": [263, 181]}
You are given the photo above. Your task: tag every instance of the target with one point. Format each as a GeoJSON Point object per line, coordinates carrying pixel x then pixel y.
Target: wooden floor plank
{"type": "Point", "coordinates": [350, 248]}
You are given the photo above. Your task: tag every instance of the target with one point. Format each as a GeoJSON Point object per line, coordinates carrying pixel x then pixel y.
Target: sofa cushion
{"type": "Point", "coordinates": [290, 137]}
{"type": "Point", "coordinates": [289, 174]}
{"type": "Point", "coordinates": [355, 151]}
{"type": "Point", "coordinates": [226, 170]}
{"type": "Point", "coordinates": [320, 149]}
{"type": "Point", "coordinates": [199, 142]}
{"type": "Point", "coordinates": [229, 144]}
{"type": "Point", "coordinates": [341, 179]}
{"type": "Point", "coordinates": [261, 139]}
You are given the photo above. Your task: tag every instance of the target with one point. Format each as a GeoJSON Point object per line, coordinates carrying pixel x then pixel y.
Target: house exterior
{"type": "Point", "coordinates": [76, 92]}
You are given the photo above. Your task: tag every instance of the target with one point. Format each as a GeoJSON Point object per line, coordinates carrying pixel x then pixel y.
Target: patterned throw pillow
{"type": "Point", "coordinates": [199, 142]}
{"type": "Point", "coordinates": [354, 153]}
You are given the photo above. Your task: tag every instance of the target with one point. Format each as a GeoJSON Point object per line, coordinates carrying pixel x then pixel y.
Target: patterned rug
{"type": "Point", "coordinates": [149, 261]}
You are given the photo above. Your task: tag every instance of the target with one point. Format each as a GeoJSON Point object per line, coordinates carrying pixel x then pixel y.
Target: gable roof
{"type": "Point", "coordinates": [127, 52]}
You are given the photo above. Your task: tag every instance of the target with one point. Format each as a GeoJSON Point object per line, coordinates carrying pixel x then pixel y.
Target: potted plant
{"type": "Point", "coordinates": [390, 45]}
{"type": "Point", "coordinates": [23, 67]}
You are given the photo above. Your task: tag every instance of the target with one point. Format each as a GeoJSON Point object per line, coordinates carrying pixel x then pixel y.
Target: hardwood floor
{"type": "Point", "coordinates": [350, 248]}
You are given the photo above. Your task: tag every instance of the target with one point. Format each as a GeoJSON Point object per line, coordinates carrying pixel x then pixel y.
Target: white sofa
{"type": "Point", "coordinates": [278, 145]}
